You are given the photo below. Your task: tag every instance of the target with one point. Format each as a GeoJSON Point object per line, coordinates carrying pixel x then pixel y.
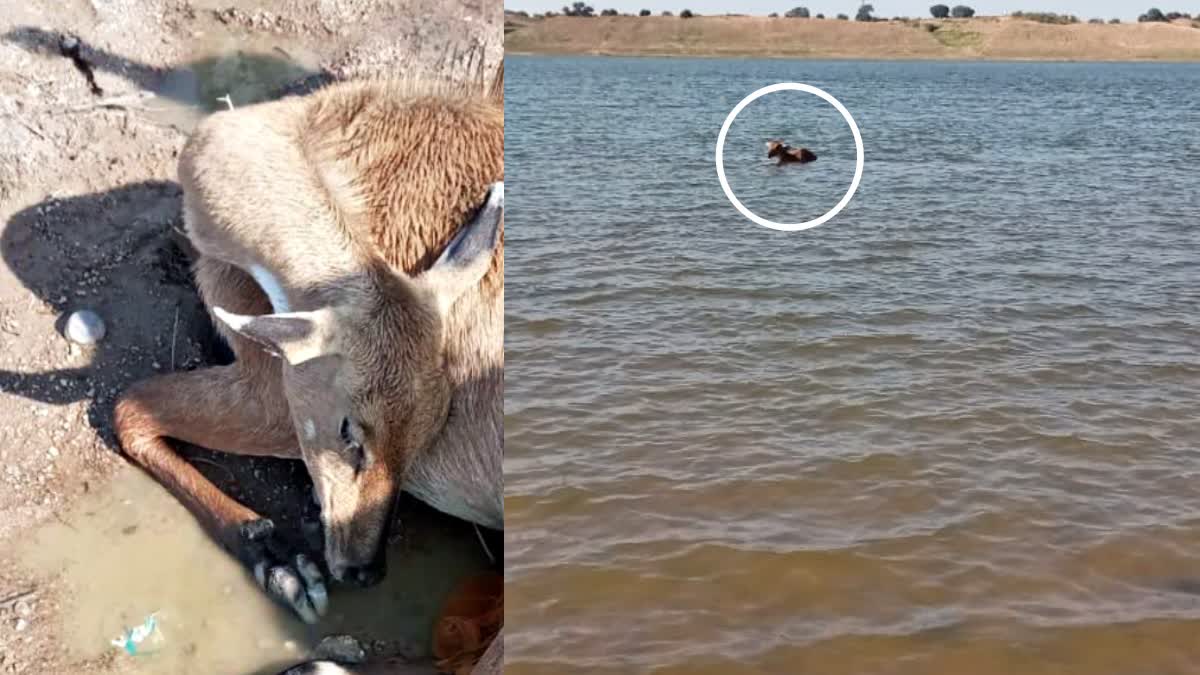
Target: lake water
{"type": "Point", "coordinates": [953, 430]}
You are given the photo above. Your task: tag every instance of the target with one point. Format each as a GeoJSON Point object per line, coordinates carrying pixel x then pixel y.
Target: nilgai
{"type": "Point", "coordinates": [350, 250]}
{"type": "Point", "coordinates": [787, 154]}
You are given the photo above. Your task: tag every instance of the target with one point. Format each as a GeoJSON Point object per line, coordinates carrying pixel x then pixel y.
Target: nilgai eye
{"type": "Point", "coordinates": [355, 453]}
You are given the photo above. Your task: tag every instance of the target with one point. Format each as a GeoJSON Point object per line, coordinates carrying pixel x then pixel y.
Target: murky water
{"type": "Point", "coordinates": [228, 65]}
{"type": "Point", "coordinates": [130, 550]}
{"type": "Point", "coordinates": [952, 431]}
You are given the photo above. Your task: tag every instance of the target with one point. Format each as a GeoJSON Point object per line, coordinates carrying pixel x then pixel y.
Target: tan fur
{"type": "Point", "coordinates": [341, 200]}
{"type": "Point", "coordinates": [497, 89]}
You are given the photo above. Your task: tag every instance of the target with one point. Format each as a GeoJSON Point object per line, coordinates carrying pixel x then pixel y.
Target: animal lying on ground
{"type": "Point", "coordinates": [787, 154]}
{"type": "Point", "coordinates": [350, 249]}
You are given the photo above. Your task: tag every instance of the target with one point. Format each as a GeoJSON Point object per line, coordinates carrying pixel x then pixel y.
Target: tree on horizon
{"type": "Point", "coordinates": [797, 13]}
{"type": "Point", "coordinates": [939, 11]}
{"type": "Point", "coordinates": [962, 12]}
{"type": "Point", "coordinates": [579, 9]}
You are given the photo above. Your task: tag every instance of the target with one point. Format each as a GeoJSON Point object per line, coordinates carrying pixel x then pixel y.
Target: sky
{"type": "Point", "coordinates": [1084, 9]}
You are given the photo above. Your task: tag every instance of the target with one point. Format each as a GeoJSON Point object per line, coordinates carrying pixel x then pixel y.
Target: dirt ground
{"type": "Point", "coordinates": [89, 218]}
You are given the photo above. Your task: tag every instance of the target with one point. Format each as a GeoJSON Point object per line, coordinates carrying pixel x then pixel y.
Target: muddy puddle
{"type": "Point", "coordinates": [226, 69]}
{"type": "Point", "coordinates": [129, 550]}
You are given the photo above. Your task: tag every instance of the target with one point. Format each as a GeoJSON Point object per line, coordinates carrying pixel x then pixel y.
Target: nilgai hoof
{"type": "Point", "coordinates": [291, 578]}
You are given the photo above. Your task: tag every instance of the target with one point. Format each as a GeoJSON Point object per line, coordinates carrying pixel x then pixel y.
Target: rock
{"type": "Point", "coordinates": [343, 648]}
{"type": "Point", "coordinates": [85, 327]}
{"type": "Point", "coordinates": [21, 624]}
{"type": "Point", "coordinates": [23, 608]}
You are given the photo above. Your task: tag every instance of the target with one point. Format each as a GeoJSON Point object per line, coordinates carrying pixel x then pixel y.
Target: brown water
{"type": "Point", "coordinates": [226, 70]}
{"type": "Point", "coordinates": [952, 431]}
{"type": "Point", "coordinates": [130, 550]}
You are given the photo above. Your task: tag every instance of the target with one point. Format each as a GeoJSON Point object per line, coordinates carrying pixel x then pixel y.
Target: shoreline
{"type": "Point", "coordinates": [879, 59]}
{"type": "Point", "coordinates": [1000, 39]}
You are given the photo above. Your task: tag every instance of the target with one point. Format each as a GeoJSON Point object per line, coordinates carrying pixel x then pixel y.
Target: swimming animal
{"type": "Point", "coordinates": [787, 154]}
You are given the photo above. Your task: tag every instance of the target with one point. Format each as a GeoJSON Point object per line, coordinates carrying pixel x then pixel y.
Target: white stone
{"type": "Point", "coordinates": [85, 327]}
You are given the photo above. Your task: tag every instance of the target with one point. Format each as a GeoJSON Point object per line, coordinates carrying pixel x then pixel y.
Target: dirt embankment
{"type": "Point", "coordinates": [89, 218]}
{"type": "Point", "coordinates": [981, 38]}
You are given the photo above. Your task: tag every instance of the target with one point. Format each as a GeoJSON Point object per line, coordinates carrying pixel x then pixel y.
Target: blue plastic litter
{"type": "Point", "coordinates": [131, 640]}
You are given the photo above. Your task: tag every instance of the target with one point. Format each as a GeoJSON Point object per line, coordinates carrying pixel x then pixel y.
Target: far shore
{"type": "Point", "coordinates": [985, 38]}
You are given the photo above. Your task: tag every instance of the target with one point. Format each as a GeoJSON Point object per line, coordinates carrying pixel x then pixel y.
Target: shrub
{"type": "Point", "coordinates": [864, 13]}
{"type": "Point", "coordinates": [931, 27]}
{"type": "Point", "coordinates": [939, 11]}
{"type": "Point", "coordinates": [843, 17]}
{"type": "Point", "coordinates": [609, 12]}
{"type": "Point", "coordinates": [667, 13]}
{"type": "Point", "coordinates": [644, 12]}
{"type": "Point", "coordinates": [1171, 16]}
{"type": "Point", "coordinates": [1048, 17]}
{"type": "Point", "coordinates": [1153, 15]}
{"type": "Point", "coordinates": [773, 15]}
{"type": "Point", "coordinates": [686, 14]}
{"type": "Point", "coordinates": [797, 13]}
{"type": "Point", "coordinates": [820, 16]}
{"type": "Point", "coordinates": [1095, 20]}
{"type": "Point", "coordinates": [1114, 21]}
{"type": "Point", "coordinates": [962, 12]}
{"type": "Point", "coordinates": [579, 9]}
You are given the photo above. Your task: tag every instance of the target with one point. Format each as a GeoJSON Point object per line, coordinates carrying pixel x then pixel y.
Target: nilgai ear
{"type": "Point", "coordinates": [295, 336]}
{"type": "Point", "coordinates": [468, 256]}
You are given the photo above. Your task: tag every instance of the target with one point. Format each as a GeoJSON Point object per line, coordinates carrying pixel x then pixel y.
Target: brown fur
{"type": "Point", "coordinates": [341, 200]}
{"type": "Point", "coordinates": [395, 159]}
{"type": "Point", "coordinates": [788, 155]}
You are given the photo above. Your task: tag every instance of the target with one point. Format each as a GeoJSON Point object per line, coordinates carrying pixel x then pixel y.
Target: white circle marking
{"type": "Point", "coordinates": [858, 168]}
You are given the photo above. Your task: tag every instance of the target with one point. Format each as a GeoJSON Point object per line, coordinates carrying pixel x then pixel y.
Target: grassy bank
{"type": "Point", "coordinates": [992, 38]}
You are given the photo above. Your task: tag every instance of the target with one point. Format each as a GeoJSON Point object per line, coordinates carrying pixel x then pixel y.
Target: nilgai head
{"type": "Point", "coordinates": [367, 386]}
{"type": "Point", "coordinates": [775, 148]}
